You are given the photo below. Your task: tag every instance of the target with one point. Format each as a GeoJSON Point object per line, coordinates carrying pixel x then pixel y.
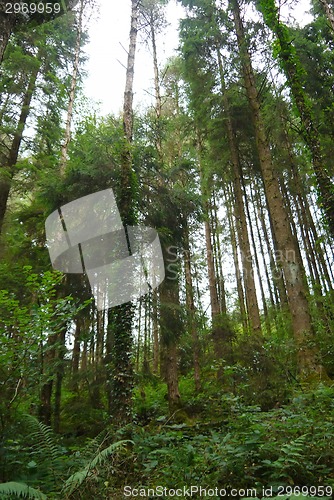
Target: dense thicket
{"type": "Point", "coordinates": [220, 377]}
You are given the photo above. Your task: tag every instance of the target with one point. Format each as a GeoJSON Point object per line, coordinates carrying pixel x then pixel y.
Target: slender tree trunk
{"type": "Point", "coordinates": [277, 269]}
{"type": "Point", "coordinates": [156, 347]}
{"type": "Point", "coordinates": [192, 313]}
{"type": "Point", "coordinates": [139, 335]}
{"type": "Point", "coordinates": [240, 290]}
{"type": "Point", "coordinates": [67, 137]}
{"type": "Point", "coordinates": [60, 354]}
{"type": "Point", "coordinates": [84, 361]}
{"type": "Point", "coordinates": [158, 100]}
{"type": "Point", "coordinates": [256, 259]}
{"type": "Point", "coordinates": [218, 258]}
{"type": "Point", "coordinates": [263, 255]}
{"type": "Point", "coordinates": [215, 310]}
{"type": "Point", "coordinates": [130, 71]}
{"type": "Point", "coordinates": [308, 361]}
{"type": "Point", "coordinates": [98, 359]}
{"type": "Point", "coordinates": [245, 251]}
{"type": "Point", "coordinates": [76, 353]}
{"type": "Point", "coordinates": [47, 363]}
{"type": "Point", "coordinates": [146, 347]}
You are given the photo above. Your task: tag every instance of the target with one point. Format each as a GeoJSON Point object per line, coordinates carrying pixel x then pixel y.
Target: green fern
{"type": "Point", "coordinates": [76, 479]}
{"type": "Point", "coordinates": [19, 490]}
{"type": "Point", "coordinates": [44, 439]}
{"type": "Point", "coordinates": [48, 454]}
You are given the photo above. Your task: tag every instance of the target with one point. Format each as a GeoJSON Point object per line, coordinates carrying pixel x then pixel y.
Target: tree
{"type": "Point", "coordinates": [14, 17]}
{"type": "Point", "coordinates": [42, 71]}
{"type": "Point", "coordinates": [120, 317]}
{"type": "Point", "coordinates": [293, 70]}
{"type": "Point", "coordinates": [287, 244]}
{"type": "Point", "coordinates": [329, 13]}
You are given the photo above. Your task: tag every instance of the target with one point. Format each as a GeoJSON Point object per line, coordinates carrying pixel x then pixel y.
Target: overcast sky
{"type": "Point", "coordinates": [108, 33]}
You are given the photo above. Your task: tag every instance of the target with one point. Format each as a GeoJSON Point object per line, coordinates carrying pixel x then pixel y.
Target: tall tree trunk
{"type": "Point", "coordinates": [48, 353]}
{"type": "Point", "coordinates": [6, 179]}
{"type": "Point", "coordinates": [191, 310]}
{"type": "Point", "coordinates": [263, 253]}
{"type": "Point", "coordinates": [218, 258]}
{"type": "Point", "coordinates": [98, 359]}
{"type": "Point", "coordinates": [67, 137]}
{"type": "Point", "coordinates": [170, 330]}
{"type": "Point", "coordinates": [308, 361]}
{"type": "Point", "coordinates": [171, 326]}
{"type": "Point", "coordinates": [130, 71]}
{"type": "Point", "coordinates": [146, 346]}
{"type": "Point", "coordinates": [120, 317]}
{"type": "Point", "coordinates": [156, 346]}
{"type": "Point", "coordinates": [158, 100]}
{"type": "Point", "coordinates": [240, 290]}
{"type": "Point", "coordinates": [76, 354]}
{"type": "Point", "coordinates": [277, 269]}
{"type": "Point", "coordinates": [241, 223]}
{"type": "Point", "coordinates": [59, 369]}
{"type": "Point", "coordinates": [214, 302]}
{"type": "Point", "coordinates": [256, 259]}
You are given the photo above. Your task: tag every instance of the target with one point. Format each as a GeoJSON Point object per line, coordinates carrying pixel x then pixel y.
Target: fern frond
{"type": "Point", "coordinates": [19, 490]}
{"type": "Point", "coordinates": [93, 444]}
{"type": "Point", "coordinates": [44, 439]}
{"type": "Point", "coordinates": [104, 454]}
{"type": "Point", "coordinates": [76, 479]}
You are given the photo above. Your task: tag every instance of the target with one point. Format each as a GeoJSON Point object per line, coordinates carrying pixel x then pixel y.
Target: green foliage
{"type": "Point", "coordinates": [19, 490]}
{"type": "Point", "coordinates": [75, 481]}
{"type": "Point", "coordinates": [291, 445]}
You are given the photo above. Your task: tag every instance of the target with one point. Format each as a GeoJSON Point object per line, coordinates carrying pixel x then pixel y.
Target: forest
{"type": "Point", "coordinates": [217, 381]}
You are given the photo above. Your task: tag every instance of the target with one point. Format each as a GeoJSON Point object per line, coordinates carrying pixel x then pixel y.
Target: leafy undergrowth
{"type": "Point", "coordinates": [244, 454]}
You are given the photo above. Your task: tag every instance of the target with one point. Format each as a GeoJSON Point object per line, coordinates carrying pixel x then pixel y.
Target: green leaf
{"type": "Point", "coordinates": [20, 490]}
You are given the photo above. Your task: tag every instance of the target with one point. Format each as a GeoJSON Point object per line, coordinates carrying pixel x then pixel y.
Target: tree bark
{"type": "Point", "coordinates": [256, 259]}
{"type": "Point", "coordinates": [156, 346]}
{"type": "Point", "coordinates": [170, 330]}
{"type": "Point", "coordinates": [241, 223]}
{"type": "Point", "coordinates": [191, 309]}
{"type": "Point", "coordinates": [218, 258]}
{"type": "Point", "coordinates": [130, 71]}
{"type": "Point", "coordinates": [67, 137]}
{"type": "Point", "coordinates": [76, 354]}
{"type": "Point", "coordinates": [329, 13]}
{"type": "Point", "coordinates": [238, 276]}
{"type": "Point", "coordinates": [120, 318]}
